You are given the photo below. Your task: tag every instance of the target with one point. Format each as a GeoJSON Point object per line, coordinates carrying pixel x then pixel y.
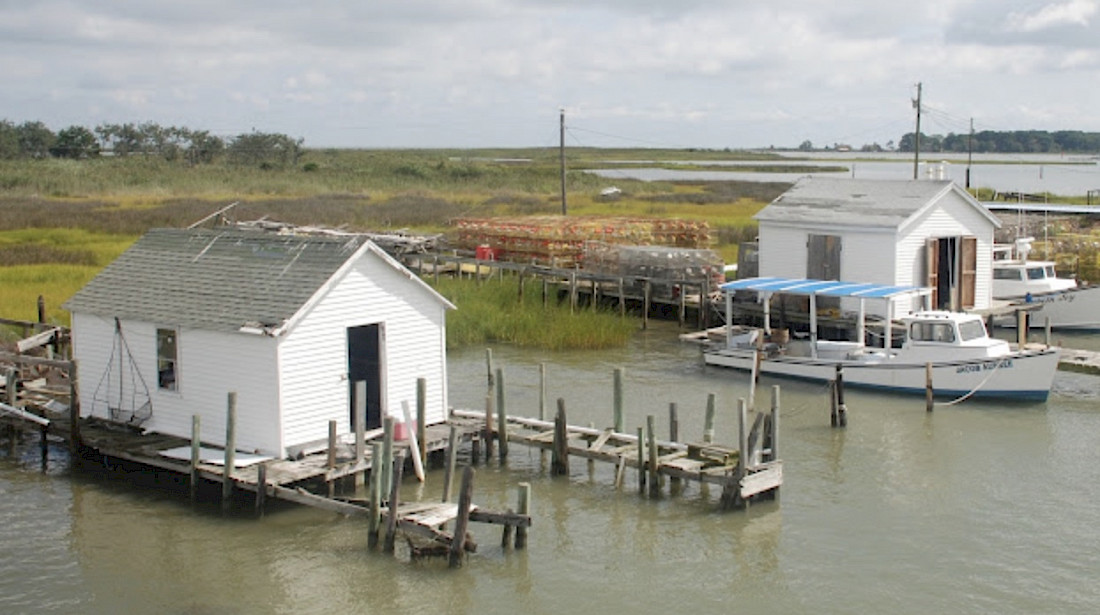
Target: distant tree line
{"type": "Point", "coordinates": [34, 140]}
{"type": "Point", "coordinates": [1007, 142]}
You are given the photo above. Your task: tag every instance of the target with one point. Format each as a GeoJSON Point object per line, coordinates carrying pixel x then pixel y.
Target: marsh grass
{"type": "Point", "coordinates": [492, 312]}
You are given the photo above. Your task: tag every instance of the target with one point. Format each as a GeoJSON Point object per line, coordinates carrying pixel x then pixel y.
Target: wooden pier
{"type": "Point", "coordinates": [691, 301]}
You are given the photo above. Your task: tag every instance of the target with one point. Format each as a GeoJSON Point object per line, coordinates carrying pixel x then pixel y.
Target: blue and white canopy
{"type": "Point", "coordinates": [827, 288]}
{"type": "Point", "coordinates": [819, 288]}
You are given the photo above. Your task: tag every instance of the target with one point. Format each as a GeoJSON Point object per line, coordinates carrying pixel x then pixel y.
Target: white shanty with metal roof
{"type": "Point", "coordinates": [904, 233]}
{"type": "Point", "coordinates": [290, 323]}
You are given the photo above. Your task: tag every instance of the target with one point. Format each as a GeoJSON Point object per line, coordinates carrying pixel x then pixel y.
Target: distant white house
{"type": "Point", "coordinates": [914, 233]}
{"type": "Point", "coordinates": [289, 323]}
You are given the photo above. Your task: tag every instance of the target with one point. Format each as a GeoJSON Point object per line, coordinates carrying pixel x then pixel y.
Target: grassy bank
{"type": "Point", "coordinates": [493, 312]}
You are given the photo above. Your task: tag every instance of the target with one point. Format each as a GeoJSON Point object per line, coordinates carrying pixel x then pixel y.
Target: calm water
{"type": "Point", "coordinates": [976, 508]}
{"type": "Point", "coordinates": [1063, 175]}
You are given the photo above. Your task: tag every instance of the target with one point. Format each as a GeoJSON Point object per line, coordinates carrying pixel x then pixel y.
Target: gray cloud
{"type": "Point", "coordinates": [495, 72]}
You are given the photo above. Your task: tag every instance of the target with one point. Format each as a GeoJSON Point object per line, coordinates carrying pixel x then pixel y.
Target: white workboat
{"type": "Point", "coordinates": [1022, 281]}
{"type": "Point", "coordinates": [964, 360]}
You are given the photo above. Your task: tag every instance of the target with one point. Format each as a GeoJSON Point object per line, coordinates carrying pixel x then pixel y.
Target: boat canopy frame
{"type": "Point", "coordinates": [767, 286]}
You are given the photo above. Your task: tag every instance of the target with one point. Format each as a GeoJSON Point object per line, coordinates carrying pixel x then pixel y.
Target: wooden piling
{"type": "Point", "coordinates": [708, 419]}
{"type": "Point", "coordinates": [193, 482]}
{"type": "Point", "coordinates": [331, 461]}
{"type": "Point", "coordinates": [841, 407]}
{"type": "Point", "coordinates": [488, 429]}
{"type": "Point", "coordinates": [462, 521]}
{"type": "Point", "coordinates": [929, 392]}
{"type": "Point", "coordinates": [422, 416]}
{"type": "Point", "coordinates": [395, 490]}
{"type": "Point", "coordinates": [559, 461]}
{"type": "Point", "coordinates": [775, 423]}
{"type": "Point", "coordinates": [387, 454]}
{"type": "Point", "coordinates": [261, 488]}
{"type": "Point", "coordinates": [641, 460]}
{"type": "Point", "coordinates": [502, 417]}
{"type": "Point", "coordinates": [360, 428]}
{"type": "Point", "coordinates": [617, 400]}
{"type": "Point", "coordinates": [523, 507]}
{"type": "Point", "coordinates": [45, 444]}
{"type": "Point", "coordinates": [489, 367]}
{"type": "Point", "coordinates": [375, 505]}
{"type": "Point", "coordinates": [673, 422]}
{"type": "Point", "coordinates": [647, 291]}
{"type": "Point", "coordinates": [230, 446]}
{"type": "Point", "coordinates": [622, 299]}
{"type": "Point", "coordinates": [74, 412]}
{"type": "Point", "coordinates": [452, 456]}
{"type": "Point", "coordinates": [542, 391]}
{"type": "Point", "coordinates": [654, 474]}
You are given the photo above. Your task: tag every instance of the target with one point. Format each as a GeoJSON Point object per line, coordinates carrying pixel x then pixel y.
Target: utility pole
{"type": "Point", "coordinates": [561, 151]}
{"type": "Point", "coordinates": [916, 138]}
{"type": "Point", "coordinates": [969, 152]}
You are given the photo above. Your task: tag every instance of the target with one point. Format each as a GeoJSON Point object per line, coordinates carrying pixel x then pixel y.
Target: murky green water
{"type": "Point", "coordinates": [976, 508]}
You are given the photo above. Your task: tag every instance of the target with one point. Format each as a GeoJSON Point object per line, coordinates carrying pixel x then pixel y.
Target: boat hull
{"type": "Point", "coordinates": [1023, 375]}
{"type": "Point", "coordinates": [1077, 308]}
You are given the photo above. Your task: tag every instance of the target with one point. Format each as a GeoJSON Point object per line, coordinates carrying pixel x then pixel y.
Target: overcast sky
{"type": "Point", "coordinates": [628, 73]}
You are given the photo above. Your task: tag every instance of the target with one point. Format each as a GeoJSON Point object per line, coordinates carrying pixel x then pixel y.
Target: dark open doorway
{"type": "Point", "coordinates": [365, 364]}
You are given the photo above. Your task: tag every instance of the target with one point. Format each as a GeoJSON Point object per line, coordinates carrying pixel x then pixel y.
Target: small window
{"type": "Point", "coordinates": [167, 360]}
{"type": "Point", "coordinates": [1006, 274]}
{"type": "Point", "coordinates": [1035, 273]}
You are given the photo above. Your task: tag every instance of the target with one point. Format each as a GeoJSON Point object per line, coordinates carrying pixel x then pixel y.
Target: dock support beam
{"type": "Point", "coordinates": [230, 446]}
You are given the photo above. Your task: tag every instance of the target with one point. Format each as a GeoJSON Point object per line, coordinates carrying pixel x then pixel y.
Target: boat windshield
{"type": "Point", "coordinates": [971, 330]}
{"type": "Point", "coordinates": [932, 332]}
{"type": "Point", "coordinates": [1036, 273]}
{"type": "Point", "coordinates": [1050, 271]}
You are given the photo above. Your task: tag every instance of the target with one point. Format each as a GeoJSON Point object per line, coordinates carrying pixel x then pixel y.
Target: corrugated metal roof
{"type": "Point", "coordinates": [830, 288]}
{"type": "Point", "coordinates": [853, 202]}
{"type": "Point", "coordinates": [219, 280]}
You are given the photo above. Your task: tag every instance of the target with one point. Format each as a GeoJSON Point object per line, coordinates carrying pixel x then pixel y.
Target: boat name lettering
{"type": "Point", "coordinates": [984, 366]}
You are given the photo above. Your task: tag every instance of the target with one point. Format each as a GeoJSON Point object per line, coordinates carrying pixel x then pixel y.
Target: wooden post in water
{"type": "Point", "coordinates": [422, 417]}
{"type": "Point", "coordinates": [708, 420]}
{"type": "Point", "coordinates": [523, 507]}
{"type": "Point", "coordinates": [731, 492]}
{"type": "Point", "coordinates": [452, 456]}
{"type": "Point", "coordinates": [44, 442]}
{"type": "Point", "coordinates": [375, 512]}
{"type": "Point", "coordinates": [641, 460]}
{"type": "Point", "coordinates": [617, 401]}
{"type": "Point", "coordinates": [1046, 332]}
{"type": "Point", "coordinates": [195, 435]}
{"type": "Point", "coordinates": [1021, 328]}
{"type": "Point", "coordinates": [683, 305]}
{"type": "Point", "coordinates": [542, 391]}
{"type": "Point", "coordinates": [775, 423]}
{"type": "Point", "coordinates": [841, 407]}
{"type": "Point", "coordinates": [673, 422]}
{"type": "Point", "coordinates": [74, 412]}
{"type": "Point", "coordinates": [465, 495]}
{"type": "Point", "coordinates": [654, 475]}
{"type": "Point", "coordinates": [387, 454]}
{"type": "Point", "coordinates": [559, 459]}
{"type": "Point", "coordinates": [360, 428]}
{"type": "Point", "coordinates": [929, 392]}
{"type": "Point", "coordinates": [230, 445]}
{"type": "Point", "coordinates": [261, 487]}
{"type": "Point", "coordinates": [646, 293]}
{"type": "Point", "coordinates": [331, 465]}
{"type": "Point", "coordinates": [489, 367]}
{"type": "Point", "coordinates": [395, 490]}
{"type": "Point", "coordinates": [502, 416]}
{"type": "Point", "coordinates": [488, 430]}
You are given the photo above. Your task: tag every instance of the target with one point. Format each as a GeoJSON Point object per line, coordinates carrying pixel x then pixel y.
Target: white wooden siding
{"type": "Point", "coordinates": [210, 365]}
{"type": "Point", "coordinates": [313, 356]}
{"type": "Point", "coordinates": [951, 217]}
